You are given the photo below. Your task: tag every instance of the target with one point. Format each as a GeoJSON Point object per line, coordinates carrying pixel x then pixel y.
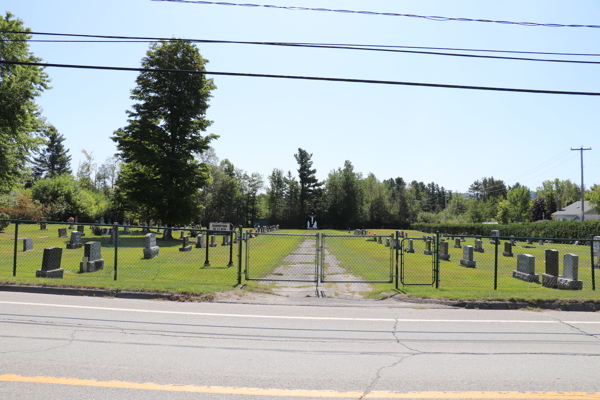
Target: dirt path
{"type": "Point", "coordinates": [301, 265]}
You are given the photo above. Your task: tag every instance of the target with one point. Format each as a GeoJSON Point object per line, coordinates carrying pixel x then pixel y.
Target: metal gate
{"type": "Point", "coordinates": [316, 258]}
{"type": "Point", "coordinates": [418, 261]}
{"type": "Point", "coordinates": [357, 258]}
{"type": "Point", "coordinates": [284, 257]}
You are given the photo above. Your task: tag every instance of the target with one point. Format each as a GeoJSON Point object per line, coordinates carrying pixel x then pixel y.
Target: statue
{"type": "Point", "coordinates": [312, 224]}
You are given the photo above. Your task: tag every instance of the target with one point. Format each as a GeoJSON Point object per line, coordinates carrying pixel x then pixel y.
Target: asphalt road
{"type": "Point", "coordinates": [63, 347]}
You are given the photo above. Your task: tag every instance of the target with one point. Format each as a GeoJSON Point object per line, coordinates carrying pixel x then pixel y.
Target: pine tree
{"type": "Point", "coordinates": [53, 159]}
{"type": "Point", "coordinates": [308, 180]}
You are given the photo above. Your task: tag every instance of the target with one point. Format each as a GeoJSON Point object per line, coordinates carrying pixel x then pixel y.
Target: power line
{"type": "Point", "coordinates": [310, 78]}
{"type": "Point", "coordinates": [323, 46]}
{"type": "Point", "coordinates": [147, 39]}
{"type": "Point", "coordinates": [387, 14]}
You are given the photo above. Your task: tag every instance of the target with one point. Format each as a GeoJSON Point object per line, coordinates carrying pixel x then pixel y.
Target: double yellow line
{"type": "Point", "coordinates": [317, 394]}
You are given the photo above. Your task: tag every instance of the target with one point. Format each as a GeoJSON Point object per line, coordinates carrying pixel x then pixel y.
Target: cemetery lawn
{"type": "Point", "coordinates": [184, 272]}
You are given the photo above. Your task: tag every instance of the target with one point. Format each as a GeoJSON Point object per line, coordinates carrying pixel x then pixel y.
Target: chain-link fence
{"type": "Point", "coordinates": [520, 264]}
{"type": "Point", "coordinates": [143, 257]}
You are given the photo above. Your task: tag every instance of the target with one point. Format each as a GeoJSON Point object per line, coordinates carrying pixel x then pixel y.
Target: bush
{"type": "Point", "coordinates": [546, 229]}
{"type": "Point", "coordinates": [3, 224]}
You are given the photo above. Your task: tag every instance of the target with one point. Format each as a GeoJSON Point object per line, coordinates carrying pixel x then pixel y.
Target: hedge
{"type": "Point", "coordinates": [545, 229]}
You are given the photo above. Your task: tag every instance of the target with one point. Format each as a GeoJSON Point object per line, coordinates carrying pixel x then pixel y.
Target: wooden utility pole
{"type": "Point", "coordinates": [582, 190]}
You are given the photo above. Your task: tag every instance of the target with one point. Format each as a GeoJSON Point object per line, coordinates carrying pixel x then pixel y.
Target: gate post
{"type": "Point", "coordinates": [17, 235]}
{"type": "Point", "coordinates": [437, 259]}
{"type": "Point", "coordinates": [497, 241]}
{"type": "Point", "coordinates": [240, 248]}
{"type": "Point", "coordinates": [319, 244]}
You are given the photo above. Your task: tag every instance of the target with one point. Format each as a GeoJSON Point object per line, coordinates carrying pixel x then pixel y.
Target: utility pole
{"type": "Point", "coordinates": [581, 150]}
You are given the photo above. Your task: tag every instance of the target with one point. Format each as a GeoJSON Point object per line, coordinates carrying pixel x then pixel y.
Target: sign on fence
{"type": "Point", "coordinates": [220, 226]}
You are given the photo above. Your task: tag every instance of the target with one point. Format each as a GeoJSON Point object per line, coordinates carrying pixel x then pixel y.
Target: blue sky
{"type": "Point", "coordinates": [448, 136]}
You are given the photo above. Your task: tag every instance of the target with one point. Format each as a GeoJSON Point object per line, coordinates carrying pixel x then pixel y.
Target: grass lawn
{"type": "Point", "coordinates": [184, 272]}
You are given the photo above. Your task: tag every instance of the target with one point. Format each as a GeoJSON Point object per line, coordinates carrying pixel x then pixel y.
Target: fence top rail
{"type": "Point", "coordinates": [445, 235]}
{"type": "Point", "coordinates": [284, 234]}
{"type": "Point", "coordinates": [359, 236]}
{"type": "Point", "coordinates": [36, 222]}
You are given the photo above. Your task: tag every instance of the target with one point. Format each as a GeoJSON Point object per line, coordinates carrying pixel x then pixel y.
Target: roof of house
{"type": "Point", "coordinates": [575, 209]}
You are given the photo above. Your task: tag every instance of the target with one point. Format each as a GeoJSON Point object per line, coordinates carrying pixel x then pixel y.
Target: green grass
{"type": "Point", "coordinates": [184, 272]}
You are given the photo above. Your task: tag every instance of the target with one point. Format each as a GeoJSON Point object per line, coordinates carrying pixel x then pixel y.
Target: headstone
{"type": "Point", "coordinates": [550, 275]}
{"type": "Point", "coordinates": [379, 240]}
{"type": "Point", "coordinates": [43, 225]}
{"type": "Point", "coordinates": [387, 242]}
{"type": "Point", "coordinates": [508, 249]}
{"type": "Point", "coordinates": [225, 240]}
{"type": "Point", "coordinates": [126, 227]}
{"type": "Point", "coordinates": [185, 246]}
{"type": "Point", "coordinates": [200, 241]}
{"type": "Point", "coordinates": [526, 269]}
{"type": "Point", "coordinates": [145, 230]}
{"type": "Point", "coordinates": [213, 241]}
{"type": "Point", "coordinates": [62, 232]}
{"type": "Point", "coordinates": [81, 228]}
{"type": "Point", "coordinates": [411, 248]}
{"type": "Point", "coordinates": [181, 235]}
{"type": "Point", "coordinates": [113, 236]}
{"type": "Point", "coordinates": [51, 264]}
{"type": "Point", "coordinates": [462, 238]}
{"type": "Point", "coordinates": [570, 279]}
{"type": "Point", "coordinates": [457, 243]}
{"type": "Point", "coordinates": [479, 246]}
{"type": "Point", "coordinates": [494, 233]}
{"type": "Point", "coordinates": [467, 260]}
{"type": "Point", "coordinates": [151, 250]}
{"type": "Point", "coordinates": [529, 241]}
{"type": "Point", "coordinates": [92, 259]}
{"type": "Point", "coordinates": [444, 251]}
{"type": "Point", "coordinates": [541, 242]}
{"type": "Point", "coordinates": [75, 242]}
{"type": "Point", "coordinates": [235, 237]}
{"type": "Point", "coordinates": [101, 220]}
{"type": "Point", "coordinates": [513, 241]}
{"type": "Point", "coordinates": [27, 244]}
{"type": "Point", "coordinates": [428, 251]}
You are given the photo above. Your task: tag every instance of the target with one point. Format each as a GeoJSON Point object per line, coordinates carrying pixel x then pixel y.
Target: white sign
{"type": "Point", "coordinates": [219, 226]}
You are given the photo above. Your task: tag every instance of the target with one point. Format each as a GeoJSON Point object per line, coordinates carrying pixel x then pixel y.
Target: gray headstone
{"type": "Point", "coordinates": [468, 253]}
{"type": "Point", "coordinates": [185, 246]}
{"type": "Point", "coordinates": [101, 221]}
{"type": "Point", "coordinates": [526, 263]}
{"type": "Point", "coordinates": [51, 264]}
{"type": "Point", "coordinates": [596, 245]}
{"type": "Point", "coordinates": [213, 241]}
{"type": "Point", "coordinates": [149, 240]}
{"type": "Point", "coordinates": [571, 266]}
{"type": "Point", "coordinates": [225, 240]}
{"type": "Point", "coordinates": [479, 246]}
{"type": "Point", "coordinates": [43, 225]}
{"type": "Point", "coordinates": [508, 249]}
{"type": "Point", "coordinates": [62, 232]}
{"type": "Point", "coordinates": [551, 260]}
{"type": "Point", "coordinates": [444, 251]}
{"type": "Point", "coordinates": [81, 228]}
{"type": "Point", "coordinates": [428, 251]}
{"type": "Point", "coordinates": [75, 242]}
{"type": "Point", "coordinates": [27, 244]}
{"type": "Point", "coordinates": [151, 250]}
{"type": "Point", "coordinates": [411, 248]}
{"type": "Point", "coordinates": [200, 241]}
{"type": "Point", "coordinates": [91, 251]}
{"type": "Point", "coordinates": [457, 243]}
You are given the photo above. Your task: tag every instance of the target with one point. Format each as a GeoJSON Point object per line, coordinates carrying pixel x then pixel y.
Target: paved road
{"type": "Point", "coordinates": [61, 347]}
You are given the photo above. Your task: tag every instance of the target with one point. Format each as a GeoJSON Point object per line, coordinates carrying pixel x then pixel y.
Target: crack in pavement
{"type": "Point", "coordinates": [71, 340]}
{"type": "Point", "coordinates": [576, 329]}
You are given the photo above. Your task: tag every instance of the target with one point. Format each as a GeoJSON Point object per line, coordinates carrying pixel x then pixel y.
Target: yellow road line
{"type": "Point", "coordinates": [297, 393]}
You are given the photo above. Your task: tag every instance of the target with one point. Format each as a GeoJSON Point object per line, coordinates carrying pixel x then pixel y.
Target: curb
{"type": "Point", "coordinates": [65, 291]}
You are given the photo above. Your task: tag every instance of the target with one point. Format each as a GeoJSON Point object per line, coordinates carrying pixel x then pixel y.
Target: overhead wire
{"type": "Point", "coordinates": [387, 14]}
{"type": "Point", "coordinates": [311, 78]}
{"type": "Point", "coordinates": [324, 46]}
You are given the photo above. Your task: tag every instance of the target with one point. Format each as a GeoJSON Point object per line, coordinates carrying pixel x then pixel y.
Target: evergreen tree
{"type": "Point", "coordinates": [53, 159]}
{"type": "Point", "coordinates": [163, 137]}
{"type": "Point", "coordinates": [308, 181]}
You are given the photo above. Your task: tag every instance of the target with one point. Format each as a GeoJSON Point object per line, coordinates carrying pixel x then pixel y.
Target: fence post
{"type": "Point", "coordinates": [593, 270]}
{"type": "Point", "coordinates": [230, 263]}
{"type": "Point", "coordinates": [206, 262]}
{"type": "Point", "coordinates": [15, 249]}
{"type": "Point", "coordinates": [396, 245]}
{"type": "Point", "coordinates": [116, 227]}
{"type": "Point", "coordinates": [437, 259]}
{"type": "Point", "coordinates": [496, 241]}
{"type": "Point", "coordinates": [241, 241]}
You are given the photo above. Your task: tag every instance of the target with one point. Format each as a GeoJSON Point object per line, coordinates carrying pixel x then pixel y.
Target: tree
{"type": "Point", "coordinates": [86, 169]}
{"type": "Point", "coordinates": [539, 210]}
{"type": "Point", "coordinates": [275, 195]}
{"type": "Point", "coordinates": [53, 159]}
{"type": "Point", "coordinates": [308, 180]}
{"type": "Point", "coordinates": [107, 174]}
{"type": "Point", "coordinates": [163, 137]}
{"type": "Point", "coordinates": [20, 121]}
{"type": "Point", "coordinates": [518, 203]}
{"type": "Point", "coordinates": [593, 197]}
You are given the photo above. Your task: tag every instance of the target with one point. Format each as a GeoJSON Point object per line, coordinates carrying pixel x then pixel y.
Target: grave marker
{"type": "Point", "coordinates": [596, 245]}
{"type": "Point", "coordinates": [225, 240]}
{"type": "Point", "coordinates": [411, 248]}
{"type": "Point", "coordinates": [43, 225]}
{"type": "Point", "coordinates": [185, 246]}
{"type": "Point", "coordinates": [508, 249]}
{"type": "Point", "coordinates": [479, 246]}
{"type": "Point", "coordinates": [213, 241]}
{"type": "Point", "coordinates": [444, 251]}
{"type": "Point", "coordinates": [51, 264]}
{"type": "Point", "coordinates": [200, 241]}
{"type": "Point", "coordinates": [550, 275]}
{"type": "Point", "coordinates": [457, 243]}
{"type": "Point", "coordinates": [27, 244]}
{"type": "Point", "coordinates": [467, 260]}
{"type": "Point", "coordinates": [81, 228]}
{"type": "Point", "coordinates": [62, 232]}
{"type": "Point", "coordinates": [151, 250]}
{"type": "Point", "coordinates": [526, 269]}
{"type": "Point", "coordinates": [75, 242]}
{"type": "Point", "coordinates": [428, 251]}
{"type": "Point", "coordinates": [570, 279]}
{"type": "Point", "coordinates": [92, 259]}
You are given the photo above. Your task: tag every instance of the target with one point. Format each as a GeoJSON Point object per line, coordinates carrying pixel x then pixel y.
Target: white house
{"type": "Point", "coordinates": [573, 212]}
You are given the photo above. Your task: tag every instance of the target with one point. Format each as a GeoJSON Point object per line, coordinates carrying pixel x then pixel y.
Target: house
{"type": "Point", "coordinates": [573, 212]}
